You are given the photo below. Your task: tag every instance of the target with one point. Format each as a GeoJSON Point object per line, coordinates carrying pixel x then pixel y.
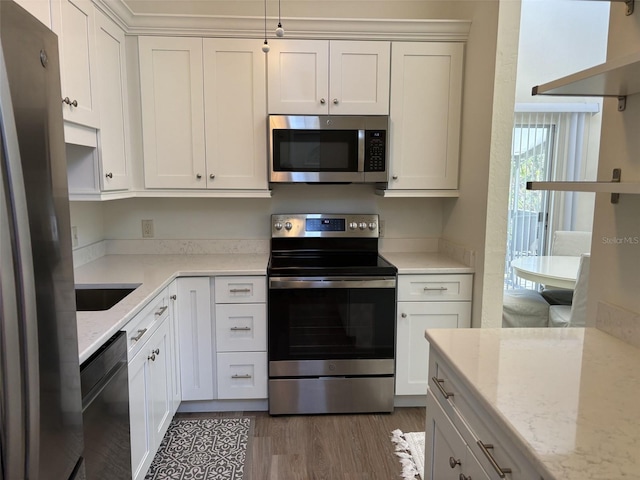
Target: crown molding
{"type": "Point", "coordinates": [301, 28]}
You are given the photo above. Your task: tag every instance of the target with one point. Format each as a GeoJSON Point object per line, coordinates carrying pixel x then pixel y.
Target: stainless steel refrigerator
{"type": "Point", "coordinates": [40, 401]}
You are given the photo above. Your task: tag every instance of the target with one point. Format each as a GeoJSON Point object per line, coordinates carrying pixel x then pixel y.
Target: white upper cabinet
{"type": "Point", "coordinates": [320, 77]}
{"type": "Point", "coordinates": [235, 114]}
{"type": "Point", "coordinates": [426, 95]}
{"type": "Point", "coordinates": [112, 101]}
{"type": "Point", "coordinates": [203, 113]}
{"type": "Point", "coordinates": [171, 84]}
{"type": "Point", "coordinates": [74, 22]}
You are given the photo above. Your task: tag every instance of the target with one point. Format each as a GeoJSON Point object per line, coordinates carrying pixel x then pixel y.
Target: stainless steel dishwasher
{"type": "Point", "coordinates": [105, 412]}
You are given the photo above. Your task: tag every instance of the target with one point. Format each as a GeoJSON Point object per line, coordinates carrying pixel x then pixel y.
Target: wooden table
{"type": "Point", "coordinates": [551, 271]}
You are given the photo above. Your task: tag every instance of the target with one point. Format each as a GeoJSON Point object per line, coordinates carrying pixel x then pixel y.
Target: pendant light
{"type": "Point", "coordinates": [265, 45]}
{"type": "Point", "coordinates": [279, 30]}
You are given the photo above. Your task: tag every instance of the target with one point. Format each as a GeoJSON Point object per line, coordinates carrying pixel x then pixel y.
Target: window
{"type": "Point", "coordinates": [547, 145]}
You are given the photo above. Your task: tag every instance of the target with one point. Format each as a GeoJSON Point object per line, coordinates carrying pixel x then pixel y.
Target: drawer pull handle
{"type": "Point", "coordinates": [240, 290]}
{"type": "Point", "coordinates": [137, 337]}
{"type": "Point", "coordinates": [161, 310]}
{"type": "Point", "coordinates": [485, 447]}
{"type": "Point", "coordinates": [439, 383]}
{"type": "Point", "coordinates": [435, 289]}
{"type": "Point", "coordinates": [464, 477]}
{"type": "Point", "coordinates": [240, 376]}
{"type": "Point", "coordinates": [244, 329]}
{"type": "Point", "coordinates": [453, 463]}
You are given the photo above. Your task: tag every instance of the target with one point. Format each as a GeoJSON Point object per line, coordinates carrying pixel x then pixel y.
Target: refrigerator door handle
{"type": "Point", "coordinates": [15, 201]}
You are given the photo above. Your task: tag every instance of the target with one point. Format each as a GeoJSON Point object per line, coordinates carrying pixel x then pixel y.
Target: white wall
{"type": "Point", "coordinates": [615, 254]}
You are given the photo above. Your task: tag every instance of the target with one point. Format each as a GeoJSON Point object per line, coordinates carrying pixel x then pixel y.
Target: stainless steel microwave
{"type": "Point", "coordinates": [328, 149]}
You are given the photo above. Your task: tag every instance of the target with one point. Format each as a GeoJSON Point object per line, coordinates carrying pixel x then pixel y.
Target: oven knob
{"type": "Point", "coordinates": [372, 226]}
{"type": "Point", "coordinates": [278, 226]}
{"type": "Point", "coordinates": [288, 226]}
{"type": "Point", "coordinates": [353, 226]}
{"type": "Point", "coordinates": [362, 225]}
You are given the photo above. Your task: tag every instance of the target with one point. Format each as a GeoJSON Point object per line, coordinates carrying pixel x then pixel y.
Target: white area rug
{"type": "Point", "coordinates": [410, 449]}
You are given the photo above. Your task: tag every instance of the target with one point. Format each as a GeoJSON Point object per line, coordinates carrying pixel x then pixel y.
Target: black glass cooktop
{"type": "Point", "coordinates": [329, 263]}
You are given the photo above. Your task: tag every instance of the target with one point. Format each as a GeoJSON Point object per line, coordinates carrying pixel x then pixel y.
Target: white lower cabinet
{"type": "Point", "coordinates": [195, 329]}
{"type": "Point", "coordinates": [241, 337]}
{"type": "Point", "coordinates": [450, 458]}
{"type": "Point", "coordinates": [426, 301]}
{"type": "Point", "coordinates": [462, 439]}
{"type": "Point", "coordinates": [150, 397]}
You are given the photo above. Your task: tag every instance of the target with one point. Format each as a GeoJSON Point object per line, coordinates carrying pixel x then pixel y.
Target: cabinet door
{"type": "Point", "coordinates": [171, 89]}
{"type": "Point", "coordinates": [140, 416]}
{"type": "Point", "coordinates": [445, 449]}
{"type": "Point", "coordinates": [298, 77]}
{"type": "Point", "coordinates": [426, 92]}
{"type": "Point", "coordinates": [235, 114]}
{"type": "Point", "coordinates": [74, 23]}
{"type": "Point", "coordinates": [112, 102]}
{"type": "Point", "coordinates": [174, 325]}
{"type": "Point", "coordinates": [196, 339]}
{"type": "Point", "coordinates": [359, 78]}
{"type": "Point", "coordinates": [412, 352]}
{"type": "Point", "coordinates": [159, 354]}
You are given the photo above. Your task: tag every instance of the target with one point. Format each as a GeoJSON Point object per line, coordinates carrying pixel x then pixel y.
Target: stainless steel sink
{"type": "Point", "coordinates": [91, 298]}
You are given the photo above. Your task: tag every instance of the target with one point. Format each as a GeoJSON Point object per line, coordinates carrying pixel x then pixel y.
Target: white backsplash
{"type": "Point", "coordinates": [457, 252]}
{"type": "Point", "coordinates": [89, 253]}
{"type": "Point", "coordinates": [618, 322]}
{"type": "Point", "coordinates": [186, 247]}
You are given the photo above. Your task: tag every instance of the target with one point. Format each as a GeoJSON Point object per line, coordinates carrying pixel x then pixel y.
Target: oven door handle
{"type": "Point", "coordinates": [371, 282]}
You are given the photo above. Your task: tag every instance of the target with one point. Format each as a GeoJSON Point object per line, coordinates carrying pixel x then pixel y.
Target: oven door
{"type": "Point", "coordinates": [331, 326]}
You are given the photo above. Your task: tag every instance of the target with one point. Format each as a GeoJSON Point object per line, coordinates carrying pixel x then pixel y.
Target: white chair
{"type": "Point", "coordinates": [574, 315]}
{"type": "Point", "coordinates": [524, 308]}
{"type": "Point", "coordinates": [571, 244]}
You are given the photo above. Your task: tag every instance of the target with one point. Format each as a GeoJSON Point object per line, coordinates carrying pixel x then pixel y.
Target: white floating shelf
{"type": "Point", "coordinates": [614, 186]}
{"type": "Point", "coordinates": [618, 77]}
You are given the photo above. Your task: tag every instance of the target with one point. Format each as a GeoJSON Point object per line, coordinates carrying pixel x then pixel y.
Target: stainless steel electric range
{"type": "Point", "coordinates": [332, 316]}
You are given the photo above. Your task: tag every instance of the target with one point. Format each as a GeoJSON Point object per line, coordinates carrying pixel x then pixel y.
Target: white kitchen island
{"type": "Point", "coordinates": [553, 403]}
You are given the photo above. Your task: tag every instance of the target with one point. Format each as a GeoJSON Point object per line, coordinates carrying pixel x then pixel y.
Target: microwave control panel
{"type": "Point", "coordinates": [375, 151]}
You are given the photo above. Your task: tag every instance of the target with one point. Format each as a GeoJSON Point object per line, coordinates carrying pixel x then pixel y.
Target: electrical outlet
{"type": "Point", "coordinates": [74, 236]}
{"type": "Point", "coordinates": [147, 228]}
{"type": "Point", "coordinates": [381, 228]}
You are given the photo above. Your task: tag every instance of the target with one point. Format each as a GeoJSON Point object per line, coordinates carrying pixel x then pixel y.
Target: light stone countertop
{"type": "Point", "coordinates": [429, 263]}
{"type": "Point", "coordinates": [153, 273]}
{"type": "Point", "coordinates": [567, 396]}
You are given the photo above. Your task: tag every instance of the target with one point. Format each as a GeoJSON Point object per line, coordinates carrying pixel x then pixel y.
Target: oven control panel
{"type": "Point", "coordinates": [324, 225]}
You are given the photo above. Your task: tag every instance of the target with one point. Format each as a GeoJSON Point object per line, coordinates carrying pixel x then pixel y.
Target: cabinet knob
{"type": "Point", "coordinates": [152, 357]}
{"type": "Point", "coordinates": [335, 101]}
{"type": "Point", "coordinates": [109, 175]}
{"type": "Point", "coordinates": [173, 297]}
{"type": "Point", "coordinates": [198, 176]}
{"type": "Point", "coordinates": [395, 177]}
{"type": "Point", "coordinates": [68, 101]}
{"type": "Point", "coordinates": [403, 315]}
{"type": "Point", "coordinates": [464, 477]}
{"type": "Point", "coordinates": [453, 462]}
{"type": "Point", "coordinates": [323, 101]}
{"type": "Point", "coordinates": [156, 351]}
{"type": "Point", "coordinates": [212, 176]}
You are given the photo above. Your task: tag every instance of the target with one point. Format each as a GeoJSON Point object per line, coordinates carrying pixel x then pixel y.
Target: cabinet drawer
{"type": "Point", "coordinates": [142, 326]}
{"type": "Point", "coordinates": [434, 288]}
{"type": "Point", "coordinates": [242, 375]}
{"type": "Point", "coordinates": [241, 328]}
{"type": "Point", "coordinates": [241, 289]}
